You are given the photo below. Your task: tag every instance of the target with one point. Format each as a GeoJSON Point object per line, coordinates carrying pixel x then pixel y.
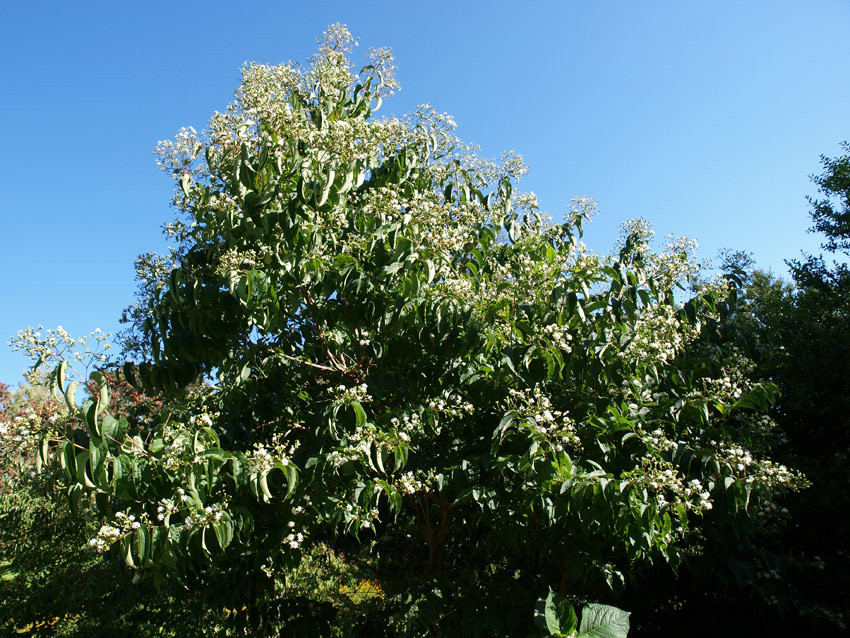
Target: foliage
{"type": "Point", "coordinates": [485, 418]}
{"type": "Point", "coordinates": [831, 214]}
{"type": "Point", "coordinates": [351, 599]}
{"type": "Point", "coordinates": [48, 585]}
{"type": "Point", "coordinates": [556, 616]}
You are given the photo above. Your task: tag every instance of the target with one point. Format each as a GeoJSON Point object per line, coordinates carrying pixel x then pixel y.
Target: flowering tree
{"type": "Point", "coordinates": [412, 359]}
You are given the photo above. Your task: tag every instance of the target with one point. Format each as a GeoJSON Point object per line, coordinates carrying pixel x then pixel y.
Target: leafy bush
{"type": "Point", "coordinates": [49, 584]}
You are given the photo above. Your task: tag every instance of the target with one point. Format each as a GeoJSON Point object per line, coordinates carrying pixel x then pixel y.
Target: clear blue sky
{"type": "Point", "coordinates": [706, 118]}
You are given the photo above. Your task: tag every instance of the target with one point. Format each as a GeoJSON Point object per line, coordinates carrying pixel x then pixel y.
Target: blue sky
{"type": "Point", "coordinates": [705, 118]}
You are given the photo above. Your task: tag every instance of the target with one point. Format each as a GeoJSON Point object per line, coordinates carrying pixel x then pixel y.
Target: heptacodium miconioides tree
{"type": "Point", "coordinates": [410, 356]}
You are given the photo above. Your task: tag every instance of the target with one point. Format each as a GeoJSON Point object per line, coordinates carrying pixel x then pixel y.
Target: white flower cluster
{"type": "Point", "coordinates": [343, 456]}
{"type": "Point", "coordinates": [658, 440]}
{"type": "Point", "coordinates": [581, 209]}
{"type": "Point", "coordinates": [665, 482]}
{"type": "Point", "coordinates": [108, 534]}
{"type": "Point", "coordinates": [407, 425]}
{"type": "Point", "coordinates": [451, 405]}
{"type": "Point", "coordinates": [770, 474]}
{"type": "Point", "coordinates": [737, 456]}
{"type": "Point", "coordinates": [204, 420]}
{"type": "Point", "coordinates": [176, 155]}
{"type": "Point", "coordinates": [407, 483]}
{"type": "Point", "coordinates": [294, 539]}
{"type": "Point", "coordinates": [639, 231]}
{"type": "Point", "coordinates": [196, 517]}
{"type": "Point", "coordinates": [558, 336]}
{"type": "Point", "coordinates": [357, 516]}
{"type": "Point", "coordinates": [760, 427]}
{"type": "Point", "coordinates": [357, 445]}
{"type": "Point", "coordinates": [458, 286]}
{"type": "Point", "coordinates": [658, 336]}
{"type": "Point", "coordinates": [233, 261]}
{"type": "Point", "coordinates": [345, 394]}
{"type": "Point", "coordinates": [770, 573]}
{"type": "Point", "coordinates": [676, 261]}
{"type": "Point", "coordinates": [725, 388]}
{"type": "Point", "coordinates": [176, 454]}
{"type": "Point", "coordinates": [541, 420]}
{"type": "Point", "coordinates": [557, 427]}
{"type": "Point", "coordinates": [409, 422]}
{"type": "Point", "coordinates": [192, 511]}
{"type": "Point", "coordinates": [526, 201]}
{"type": "Point", "coordinates": [58, 344]}
{"type": "Point", "coordinates": [167, 506]}
{"type": "Point", "coordinates": [20, 434]}
{"type": "Point", "coordinates": [128, 521]}
{"type": "Point", "coordinates": [836, 617]}
{"type": "Point", "coordinates": [573, 258]}
{"type": "Point", "coordinates": [776, 510]}
{"type": "Point", "coordinates": [695, 488]}
{"type": "Point", "coordinates": [757, 472]}
{"type": "Point", "coordinates": [717, 286]}
{"type": "Point", "coordinates": [265, 457]}
{"type": "Point", "coordinates": [637, 390]}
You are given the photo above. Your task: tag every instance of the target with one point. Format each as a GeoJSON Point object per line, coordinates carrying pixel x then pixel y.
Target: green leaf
{"type": "Point", "coordinates": [97, 455]}
{"type": "Point", "coordinates": [127, 550]}
{"type": "Point", "coordinates": [67, 458]}
{"type": "Point", "coordinates": [291, 472]}
{"type": "Point", "coordinates": [83, 476]}
{"type": "Point", "coordinates": [560, 615]}
{"type": "Point", "coordinates": [75, 495]}
{"type": "Point", "coordinates": [142, 543]}
{"type": "Point", "coordinates": [102, 399]}
{"type": "Point", "coordinates": [393, 268]}
{"type": "Point", "coordinates": [550, 364]}
{"type": "Point", "coordinates": [71, 395]}
{"type": "Point", "coordinates": [240, 475]}
{"type": "Point", "coordinates": [359, 414]}
{"type": "Point", "coordinates": [603, 621]}
{"type": "Point", "coordinates": [263, 484]}
{"type": "Point", "coordinates": [400, 456]}
{"type": "Point", "coordinates": [504, 424]}
{"type": "Point", "coordinates": [223, 532]}
{"type": "Point", "coordinates": [43, 456]}
{"type": "Point", "coordinates": [129, 370]}
{"type": "Point", "coordinates": [61, 371]}
{"type": "Point", "coordinates": [92, 422]}
{"type": "Point", "coordinates": [159, 539]}
{"type": "Point", "coordinates": [114, 429]}
{"type": "Point", "coordinates": [555, 614]}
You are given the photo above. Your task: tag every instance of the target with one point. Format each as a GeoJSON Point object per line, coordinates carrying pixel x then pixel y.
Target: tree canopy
{"type": "Point", "coordinates": [411, 360]}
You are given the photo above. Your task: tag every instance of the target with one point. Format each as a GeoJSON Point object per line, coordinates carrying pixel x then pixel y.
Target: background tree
{"type": "Point", "coordinates": [831, 214]}
{"type": "Point", "coordinates": [799, 335]}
